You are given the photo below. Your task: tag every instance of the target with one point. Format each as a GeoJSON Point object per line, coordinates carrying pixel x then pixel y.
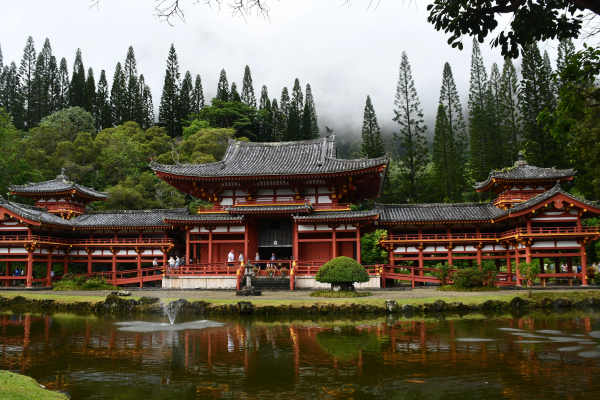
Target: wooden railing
{"type": "Point", "coordinates": [90, 242]}
{"type": "Point", "coordinates": [64, 207]}
{"type": "Point", "coordinates": [513, 198]}
{"type": "Point", "coordinates": [268, 202]}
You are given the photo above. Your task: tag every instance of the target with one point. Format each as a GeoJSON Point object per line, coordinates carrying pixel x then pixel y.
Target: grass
{"type": "Point", "coordinates": [452, 288]}
{"type": "Point", "coordinates": [341, 294]}
{"type": "Point", "coordinates": [14, 386]}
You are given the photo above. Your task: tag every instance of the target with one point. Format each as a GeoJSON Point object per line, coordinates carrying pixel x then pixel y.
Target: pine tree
{"type": "Point", "coordinates": [247, 96]}
{"type": "Point", "coordinates": [509, 109]}
{"type": "Point", "coordinates": [53, 86]}
{"type": "Point", "coordinates": [223, 87]}
{"type": "Point", "coordinates": [413, 145]}
{"type": "Point", "coordinates": [2, 78]}
{"type": "Point", "coordinates": [77, 82]}
{"type": "Point", "coordinates": [372, 143]}
{"type": "Point", "coordinates": [278, 121]}
{"type": "Point", "coordinates": [103, 114]}
{"type": "Point", "coordinates": [26, 73]}
{"type": "Point", "coordinates": [265, 118]}
{"type": "Point", "coordinates": [198, 96]}
{"type": "Point", "coordinates": [147, 117]}
{"type": "Point", "coordinates": [186, 102]}
{"type": "Point", "coordinates": [234, 96]}
{"type": "Point", "coordinates": [283, 114]}
{"type": "Point", "coordinates": [498, 149]}
{"type": "Point", "coordinates": [479, 140]}
{"type": "Point", "coordinates": [118, 94]}
{"type": "Point", "coordinates": [309, 106]}
{"type": "Point", "coordinates": [264, 98]}
{"type": "Point", "coordinates": [89, 93]}
{"type": "Point", "coordinates": [169, 100]}
{"type": "Point", "coordinates": [13, 95]}
{"type": "Point", "coordinates": [542, 150]}
{"type": "Point", "coordinates": [456, 122]}
{"type": "Point", "coordinates": [566, 50]}
{"type": "Point", "coordinates": [295, 113]}
{"type": "Point", "coordinates": [446, 165]}
{"type": "Point", "coordinates": [133, 94]}
{"type": "Point", "coordinates": [63, 83]}
{"type": "Point", "coordinates": [42, 83]}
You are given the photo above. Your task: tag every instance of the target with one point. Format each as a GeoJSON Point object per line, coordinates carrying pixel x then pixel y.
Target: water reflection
{"type": "Point", "coordinates": [469, 356]}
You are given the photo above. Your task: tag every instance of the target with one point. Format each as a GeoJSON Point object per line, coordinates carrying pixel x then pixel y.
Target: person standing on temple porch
{"type": "Point", "coordinates": [241, 257]}
{"type": "Point", "coordinates": [231, 258]}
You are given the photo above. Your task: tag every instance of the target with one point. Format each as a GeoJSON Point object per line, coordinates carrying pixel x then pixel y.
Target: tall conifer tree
{"type": "Point", "coordinates": [278, 121]}
{"type": "Point", "coordinates": [234, 95]}
{"type": "Point", "coordinates": [198, 96]}
{"type": "Point", "coordinates": [133, 92]}
{"type": "Point", "coordinates": [295, 113]}
{"type": "Point", "coordinates": [147, 109]}
{"type": "Point", "coordinates": [309, 105]}
{"type": "Point", "coordinates": [372, 143]}
{"type": "Point", "coordinates": [264, 97]}
{"type": "Point", "coordinates": [118, 93]}
{"type": "Point", "coordinates": [265, 117]}
{"type": "Point", "coordinates": [446, 165]}
{"type": "Point", "coordinates": [566, 50]}
{"type": "Point", "coordinates": [247, 96]}
{"type": "Point", "coordinates": [223, 87]}
{"type": "Point", "coordinates": [498, 150]}
{"type": "Point", "coordinates": [89, 93]}
{"type": "Point", "coordinates": [169, 101]}
{"type": "Point", "coordinates": [284, 112]}
{"type": "Point", "coordinates": [103, 111]}
{"type": "Point", "coordinates": [62, 100]}
{"type": "Point", "coordinates": [413, 145]}
{"type": "Point", "coordinates": [77, 81]}
{"type": "Point", "coordinates": [510, 116]}
{"type": "Point", "coordinates": [13, 95]}
{"type": "Point", "coordinates": [43, 83]}
{"type": "Point", "coordinates": [186, 102]}
{"type": "Point", "coordinates": [53, 86]}
{"type": "Point", "coordinates": [26, 73]}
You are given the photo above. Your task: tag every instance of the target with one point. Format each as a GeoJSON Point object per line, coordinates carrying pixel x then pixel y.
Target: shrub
{"type": "Point", "coordinates": [490, 272]}
{"type": "Point", "coordinates": [443, 273]}
{"type": "Point", "coordinates": [340, 294]}
{"type": "Point", "coordinates": [71, 282]}
{"type": "Point", "coordinates": [342, 270]}
{"type": "Point", "coordinates": [529, 271]}
{"type": "Point", "coordinates": [597, 279]}
{"type": "Point", "coordinates": [371, 252]}
{"type": "Point", "coordinates": [468, 278]}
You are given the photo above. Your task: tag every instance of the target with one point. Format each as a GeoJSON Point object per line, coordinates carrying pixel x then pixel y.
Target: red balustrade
{"type": "Point", "coordinates": [514, 197]}
{"type": "Point", "coordinates": [64, 208]}
{"type": "Point", "coordinates": [54, 240]}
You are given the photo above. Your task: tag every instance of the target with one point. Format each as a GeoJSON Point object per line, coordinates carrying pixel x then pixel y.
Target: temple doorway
{"type": "Point", "coordinates": [275, 235]}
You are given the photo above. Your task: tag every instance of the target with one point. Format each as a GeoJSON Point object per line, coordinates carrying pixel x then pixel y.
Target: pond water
{"type": "Point", "coordinates": [529, 356]}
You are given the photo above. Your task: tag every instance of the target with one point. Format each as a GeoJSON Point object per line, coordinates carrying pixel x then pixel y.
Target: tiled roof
{"type": "Point", "coordinates": [271, 208]}
{"type": "Point", "coordinates": [437, 212]}
{"type": "Point", "coordinates": [34, 213]}
{"type": "Point", "coordinates": [59, 185]}
{"type": "Point", "coordinates": [328, 215]}
{"type": "Point", "coordinates": [127, 218]}
{"type": "Point", "coordinates": [524, 171]}
{"type": "Point", "coordinates": [547, 195]}
{"type": "Point", "coordinates": [206, 217]}
{"type": "Point", "coordinates": [316, 156]}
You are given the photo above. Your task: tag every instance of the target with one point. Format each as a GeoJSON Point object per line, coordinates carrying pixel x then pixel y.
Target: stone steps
{"type": "Point", "coordinates": [274, 284]}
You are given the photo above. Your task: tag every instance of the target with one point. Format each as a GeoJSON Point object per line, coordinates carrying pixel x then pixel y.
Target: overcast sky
{"type": "Point", "coordinates": [344, 53]}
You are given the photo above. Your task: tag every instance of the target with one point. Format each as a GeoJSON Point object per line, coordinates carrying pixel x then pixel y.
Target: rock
{"type": "Point", "coordinates": [130, 304]}
{"type": "Point", "coordinates": [408, 308]}
{"type": "Point", "coordinates": [518, 302]}
{"type": "Point", "coordinates": [46, 303]}
{"type": "Point", "coordinates": [148, 300]}
{"type": "Point", "coordinates": [124, 293]}
{"type": "Point", "coordinates": [560, 302]}
{"type": "Point", "coordinates": [113, 302]}
{"type": "Point", "coordinates": [392, 306]}
{"type": "Point", "coordinates": [438, 305]}
{"type": "Point", "coordinates": [342, 287]}
{"type": "Point", "coordinates": [248, 291]}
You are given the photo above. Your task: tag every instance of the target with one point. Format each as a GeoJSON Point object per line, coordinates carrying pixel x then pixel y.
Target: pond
{"type": "Point", "coordinates": [507, 356]}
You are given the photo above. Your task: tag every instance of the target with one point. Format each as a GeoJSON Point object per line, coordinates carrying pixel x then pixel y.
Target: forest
{"type": "Point", "coordinates": [105, 136]}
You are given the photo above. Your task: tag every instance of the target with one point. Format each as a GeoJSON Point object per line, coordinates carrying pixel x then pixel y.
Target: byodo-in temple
{"type": "Point", "coordinates": [292, 202]}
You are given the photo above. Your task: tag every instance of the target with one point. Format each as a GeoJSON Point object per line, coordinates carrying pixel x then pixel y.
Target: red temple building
{"type": "Point", "coordinates": [294, 200]}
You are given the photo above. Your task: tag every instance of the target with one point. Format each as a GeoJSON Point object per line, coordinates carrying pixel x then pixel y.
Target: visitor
{"type": "Point", "coordinates": [273, 258]}
{"type": "Point", "coordinates": [230, 258]}
{"type": "Point", "coordinates": [182, 261]}
{"type": "Point", "coordinates": [155, 262]}
{"type": "Point", "coordinates": [579, 269]}
{"type": "Point", "coordinates": [171, 264]}
{"type": "Point", "coordinates": [241, 258]}
{"type": "Point", "coordinates": [257, 258]}
{"type": "Point", "coordinates": [564, 268]}
{"type": "Point", "coordinates": [177, 261]}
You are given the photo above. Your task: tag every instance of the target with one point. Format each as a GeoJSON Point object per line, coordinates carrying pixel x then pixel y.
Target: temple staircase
{"type": "Point", "coordinates": [266, 283]}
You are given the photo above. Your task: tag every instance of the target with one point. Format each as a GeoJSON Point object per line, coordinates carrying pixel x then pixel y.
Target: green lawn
{"type": "Point", "coordinates": [14, 386]}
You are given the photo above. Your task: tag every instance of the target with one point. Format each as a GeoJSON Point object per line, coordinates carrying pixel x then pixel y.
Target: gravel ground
{"type": "Point", "coordinates": [291, 295]}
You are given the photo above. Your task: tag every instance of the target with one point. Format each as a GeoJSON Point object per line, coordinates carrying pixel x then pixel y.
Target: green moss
{"type": "Point", "coordinates": [454, 288]}
{"type": "Point", "coordinates": [14, 386]}
{"type": "Point", "coordinates": [340, 294]}
{"type": "Point", "coordinates": [342, 270]}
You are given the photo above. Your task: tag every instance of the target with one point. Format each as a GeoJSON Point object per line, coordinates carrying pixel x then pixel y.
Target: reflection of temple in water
{"type": "Point", "coordinates": [371, 354]}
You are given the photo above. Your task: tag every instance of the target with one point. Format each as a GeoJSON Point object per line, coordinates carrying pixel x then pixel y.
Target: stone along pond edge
{"type": "Point", "coordinates": [154, 305]}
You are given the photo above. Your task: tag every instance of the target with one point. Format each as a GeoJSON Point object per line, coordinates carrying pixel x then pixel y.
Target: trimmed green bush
{"type": "Point", "coordinates": [468, 278]}
{"type": "Point", "coordinates": [342, 270]}
{"type": "Point", "coordinates": [72, 282]}
{"type": "Point", "coordinates": [339, 295]}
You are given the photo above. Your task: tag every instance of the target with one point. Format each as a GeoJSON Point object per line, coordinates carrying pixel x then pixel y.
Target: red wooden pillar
{"type": "Point", "coordinates": [113, 269]}
{"type": "Point", "coordinates": [569, 264]}
{"type": "Point", "coordinates": [584, 281]}
{"type": "Point", "coordinates": [30, 267]}
{"type": "Point", "coordinates": [246, 241]}
{"type": "Point", "coordinates": [508, 267]}
{"type": "Point", "coordinates": [557, 265]}
{"type": "Point", "coordinates": [333, 243]}
{"type": "Point", "coordinates": [295, 244]}
{"type": "Point", "coordinates": [187, 245]}
{"type": "Point", "coordinates": [66, 264]}
{"type": "Point", "coordinates": [421, 256]}
{"type": "Point", "coordinates": [358, 254]}
{"type": "Point", "coordinates": [480, 244]}
{"type": "Point", "coordinates": [8, 268]}
{"type": "Point", "coordinates": [517, 262]}
{"type": "Point", "coordinates": [139, 252]}
{"type": "Point", "coordinates": [449, 233]}
{"type": "Point", "coordinates": [210, 246]}
{"type": "Point", "coordinates": [49, 268]}
{"type": "Point", "coordinates": [528, 254]}
{"type": "Point", "coordinates": [89, 252]}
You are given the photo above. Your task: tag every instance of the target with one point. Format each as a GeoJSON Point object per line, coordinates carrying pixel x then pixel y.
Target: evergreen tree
{"type": "Point", "coordinates": [89, 93]}
{"type": "Point", "coordinates": [77, 82]}
{"type": "Point", "coordinates": [147, 117]}
{"type": "Point", "coordinates": [247, 96]}
{"type": "Point", "coordinates": [234, 95]}
{"type": "Point", "coordinates": [446, 165]}
{"type": "Point", "coordinates": [197, 96]}
{"type": "Point", "coordinates": [542, 150]}
{"type": "Point", "coordinates": [312, 130]}
{"type": "Point", "coordinates": [498, 150]}
{"type": "Point", "coordinates": [456, 122]}
{"type": "Point", "coordinates": [2, 78]}
{"type": "Point", "coordinates": [118, 93]}
{"type": "Point", "coordinates": [413, 145]}
{"type": "Point", "coordinates": [26, 73]}
{"type": "Point", "coordinates": [1, 60]}
{"type": "Point", "coordinates": [296, 108]}
{"type": "Point", "coordinates": [186, 102]}
{"type": "Point", "coordinates": [510, 117]}
{"type": "Point", "coordinates": [13, 95]}
{"type": "Point", "coordinates": [63, 84]}
{"type": "Point", "coordinates": [103, 114]}
{"type": "Point", "coordinates": [566, 50]}
{"type": "Point", "coordinates": [42, 84]}
{"type": "Point", "coordinates": [223, 87]}
{"type": "Point", "coordinates": [278, 121]}
{"type": "Point", "coordinates": [479, 140]}
{"type": "Point", "coordinates": [264, 98]}
{"type": "Point", "coordinates": [372, 143]}
{"type": "Point", "coordinates": [265, 117]}
{"type": "Point", "coordinates": [53, 86]}
{"type": "Point", "coordinates": [169, 101]}
{"type": "Point", "coordinates": [133, 94]}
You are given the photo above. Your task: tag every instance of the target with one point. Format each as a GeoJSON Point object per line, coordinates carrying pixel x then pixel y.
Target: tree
{"type": "Point", "coordinates": [278, 121]}
{"type": "Point", "coordinates": [372, 144]}
{"type": "Point", "coordinates": [77, 82]}
{"type": "Point", "coordinates": [265, 117]}
{"type": "Point", "coordinates": [497, 142]}
{"type": "Point", "coordinates": [566, 50]}
{"type": "Point", "coordinates": [479, 141]}
{"type": "Point", "coordinates": [198, 96]}
{"type": "Point", "coordinates": [43, 83]}
{"type": "Point", "coordinates": [133, 92]}
{"type": "Point", "coordinates": [89, 93]}
{"type": "Point", "coordinates": [310, 126]}
{"type": "Point", "coordinates": [234, 115]}
{"type": "Point", "coordinates": [223, 87]}
{"type": "Point", "coordinates": [146, 119]}
{"type": "Point", "coordinates": [118, 94]}
{"type": "Point", "coordinates": [247, 96]}
{"type": "Point", "coordinates": [413, 145]}
{"type": "Point", "coordinates": [186, 94]}
{"type": "Point", "coordinates": [530, 22]}
{"type": "Point", "coordinates": [26, 73]}
{"type": "Point", "coordinates": [510, 116]}
{"type": "Point", "coordinates": [234, 95]}
{"type": "Point", "coordinates": [168, 111]}
{"type": "Point", "coordinates": [63, 82]}
{"type": "Point", "coordinates": [69, 122]}
{"type": "Point", "coordinates": [342, 272]}
{"type": "Point", "coordinates": [296, 107]}
{"type": "Point", "coordinates": [445, 160]}
{"type": "Point", "coordinates": [370, 250]}
{"type": "Point", "coordinates": [103, 115]}
{"type": "Point", "coordinates": [12, 95]}
{"type": "Point", "coordinates": [541, 148]}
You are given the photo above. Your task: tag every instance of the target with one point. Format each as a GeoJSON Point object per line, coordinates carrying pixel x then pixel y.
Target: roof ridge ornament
{"type": "Point", "coordinates": [62, 175]}
{"type": "Point", "coordinates": [520, 160]}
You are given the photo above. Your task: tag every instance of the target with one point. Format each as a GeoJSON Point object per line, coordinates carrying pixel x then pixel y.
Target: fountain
{"type": "Point", "coordinates": [172, 309]}
{"type": "Point", "coordinates": [248, 290]}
